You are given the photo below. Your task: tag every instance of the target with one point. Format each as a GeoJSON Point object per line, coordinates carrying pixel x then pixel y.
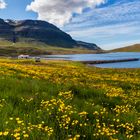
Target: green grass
{"type": "Point", "coordinates": [8, 48]}
{"type": "Point", "coordinates": [55, 100]}
{"type": "Point", "coordinates": [133, 48]}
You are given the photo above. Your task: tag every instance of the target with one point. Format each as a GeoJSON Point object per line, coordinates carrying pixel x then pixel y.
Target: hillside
{"type": "Point", "coordinates": [132, 48]}
{"type": "Point", "coordinates": [39, 31]}
{"type": "Point", "coordinates": [8, 48]}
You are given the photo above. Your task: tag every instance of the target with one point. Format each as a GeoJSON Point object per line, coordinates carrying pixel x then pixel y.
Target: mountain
{"type": "Point", "coordinates": [132, 48]}
{"type": "Point", "coordinates": [39, 31]}
{"type": "Point", "coordinates": [90, 46]}
{"type": "Point", "coordinates": [34, 30]}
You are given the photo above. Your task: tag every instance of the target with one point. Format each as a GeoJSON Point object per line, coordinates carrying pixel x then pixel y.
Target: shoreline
{"type": "Point", "coordinates": [109, 61]}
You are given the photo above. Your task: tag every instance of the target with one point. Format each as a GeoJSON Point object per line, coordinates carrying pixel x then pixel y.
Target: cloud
{"type": "Point", "coordinates": [109, 36]}
{"type": "Point", "coordinates": [2, 4]}
{"type": "Point", "coordinates": [110, 15]}
{"type": "Point", "coordinates": [109, 31]}
{"type": "Point", "coordinates": [106, 26]}
{"type": "Point", "coordinates": [60, 12]}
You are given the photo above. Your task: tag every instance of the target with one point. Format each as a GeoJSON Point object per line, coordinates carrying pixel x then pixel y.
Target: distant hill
{"type": "Point", "coordinates": [132, 48]}
{"type": "Point", "coordinates": [8, 48]}
{"type": "Point", "coordinates": [39, 31]}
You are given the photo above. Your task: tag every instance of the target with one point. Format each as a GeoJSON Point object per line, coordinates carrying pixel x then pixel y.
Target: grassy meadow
{"type": "Point", "coordinates": [60, 100]}
{"type": "Point", "coordinates": [132, 48]}
{"type": "Point", "coordinates": [8, 48]}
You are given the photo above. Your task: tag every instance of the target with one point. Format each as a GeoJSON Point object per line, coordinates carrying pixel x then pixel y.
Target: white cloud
{"type": "Point", "coordinates": [108, 30]}
{"type": "Point", "coordinates": [109, 15]}
{"type": "Point", "coordinates": [2, 4]}
{"type": "Point", "coordinates": [60, 12]}
{"type": "Point", "coordinates": [109, 25]}
{"type": "Point", "coordinates": [109, 36]}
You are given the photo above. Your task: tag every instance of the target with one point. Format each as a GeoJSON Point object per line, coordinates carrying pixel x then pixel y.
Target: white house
{"type": "Point", "coordinates": [23, 56]}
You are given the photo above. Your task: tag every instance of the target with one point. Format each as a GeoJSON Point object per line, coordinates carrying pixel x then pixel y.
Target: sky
{"type": "Point", "coordinates": [108, 23]}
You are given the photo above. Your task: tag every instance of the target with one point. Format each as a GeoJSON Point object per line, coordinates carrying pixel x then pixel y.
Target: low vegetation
{"type": "Point", "coordinates": [8, 48]}
{"type": "Point", "coordinates": [68, 101]}
{"type": "Point", "coordinates": [133, 48]}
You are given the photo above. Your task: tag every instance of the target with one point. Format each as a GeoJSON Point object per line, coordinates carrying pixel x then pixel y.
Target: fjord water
{"type": "Point", "coordinates": [105, 56]}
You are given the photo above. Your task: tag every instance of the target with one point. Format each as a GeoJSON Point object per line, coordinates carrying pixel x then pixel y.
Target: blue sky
{"type": "Point", "coordinates": [16, 9]}
{"type": "Point", "coordinates": [108, 23]}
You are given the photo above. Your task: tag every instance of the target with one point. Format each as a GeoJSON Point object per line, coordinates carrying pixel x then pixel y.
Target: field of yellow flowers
{"type": "Point", "coordinates": [60, 100]}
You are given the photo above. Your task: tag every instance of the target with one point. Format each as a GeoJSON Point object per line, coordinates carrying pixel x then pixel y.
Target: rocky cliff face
{"type": "Point", "coordinates": [36, 30]}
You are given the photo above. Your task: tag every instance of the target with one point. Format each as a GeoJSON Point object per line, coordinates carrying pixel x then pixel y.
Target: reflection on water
{"type": "Point", "coordinates": [106, 56]}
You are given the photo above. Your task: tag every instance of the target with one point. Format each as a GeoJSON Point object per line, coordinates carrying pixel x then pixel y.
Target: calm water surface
{"type": "Point", "coordinates": [107, 56]}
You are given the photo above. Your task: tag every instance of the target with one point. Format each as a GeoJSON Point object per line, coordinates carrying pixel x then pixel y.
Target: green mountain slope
{"type": "Point", "coordinates": [132, 48]}
{"type": "Point", "coordinates": [32, 31]}
{"type": "Point", "coordinates": [8, 48]}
